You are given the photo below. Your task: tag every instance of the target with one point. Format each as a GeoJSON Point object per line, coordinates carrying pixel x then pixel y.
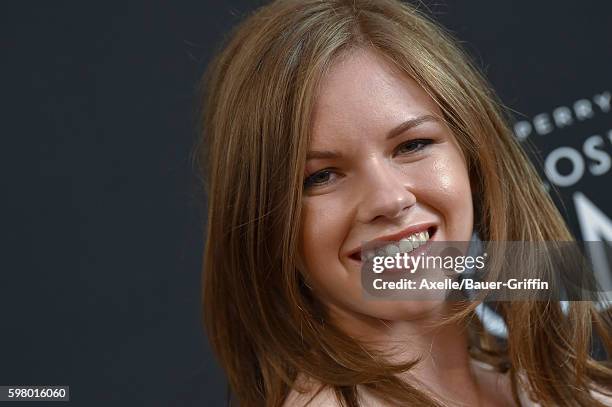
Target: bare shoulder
{"type": "Point", "coordinates": [309, 393]}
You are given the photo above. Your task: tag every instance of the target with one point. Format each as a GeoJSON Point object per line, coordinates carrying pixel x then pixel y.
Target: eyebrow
{"type": "Point", "coordinates": [314, 154]}
{"type": "Point", "coordinates": [396, 131]}
{"type": "Point", "coordinates": [409, 124]}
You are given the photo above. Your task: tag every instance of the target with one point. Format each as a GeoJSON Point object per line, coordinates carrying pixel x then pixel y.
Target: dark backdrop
{"type": "Point", "coordinates": [101, 216]}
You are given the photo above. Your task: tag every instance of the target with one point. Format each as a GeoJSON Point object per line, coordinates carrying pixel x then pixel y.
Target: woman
{"type": "Point", "coordinates": [330, 123]}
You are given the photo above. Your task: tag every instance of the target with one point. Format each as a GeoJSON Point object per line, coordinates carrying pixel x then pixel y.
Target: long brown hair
{"type": "Point", "coordinates": [261, 319]}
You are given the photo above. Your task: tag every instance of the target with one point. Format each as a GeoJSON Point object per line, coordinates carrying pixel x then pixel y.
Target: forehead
{"type": "Point", "coordinates": [362, 93]}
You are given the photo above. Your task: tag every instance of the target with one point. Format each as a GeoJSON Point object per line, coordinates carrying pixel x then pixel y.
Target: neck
{"type": "Point", "coordinates": [444, 368]}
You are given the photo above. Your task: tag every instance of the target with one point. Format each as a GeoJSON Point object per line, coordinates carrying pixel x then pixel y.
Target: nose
{"type": "Point", "coordinates": [386, 192]}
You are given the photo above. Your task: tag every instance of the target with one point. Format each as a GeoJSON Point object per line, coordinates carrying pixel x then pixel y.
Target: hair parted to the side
{"type": "Point", "coordinates": [262, 322]}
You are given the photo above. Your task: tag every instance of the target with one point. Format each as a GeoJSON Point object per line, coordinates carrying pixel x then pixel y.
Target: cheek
{"type": "Point", "coordinates": [325, 224]}
{"type": "Point", "coordinates": [451, 182]}
{"type": "Point", "coordinates": [445, 187]}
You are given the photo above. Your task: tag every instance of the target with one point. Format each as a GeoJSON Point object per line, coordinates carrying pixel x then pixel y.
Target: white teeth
{"type": "Point", "coordinates": [405, 245]}
{"type": "Point", "coordinates": [409, 243]}
{"type": "Point", "coordinates": [391, 250]}
{"type": "Point", "coordinates": [415, 241]}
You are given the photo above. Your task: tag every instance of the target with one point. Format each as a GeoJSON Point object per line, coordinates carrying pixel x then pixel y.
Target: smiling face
{"type": "Point", "coordinates": [381, 166]}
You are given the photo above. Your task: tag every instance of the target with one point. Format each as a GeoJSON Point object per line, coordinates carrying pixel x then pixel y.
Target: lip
{"type": "Point", "coordinates": [355, 254]}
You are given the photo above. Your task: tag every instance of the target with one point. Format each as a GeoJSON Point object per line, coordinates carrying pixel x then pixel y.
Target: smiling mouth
{"type": "Point", "coordinates": [404, 245]}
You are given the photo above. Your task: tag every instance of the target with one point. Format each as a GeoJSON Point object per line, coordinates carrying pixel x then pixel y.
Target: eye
{"type": "Point", "coordinates": [320, 178]}
{"type": "Point", "coordinates": [412, 146]}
